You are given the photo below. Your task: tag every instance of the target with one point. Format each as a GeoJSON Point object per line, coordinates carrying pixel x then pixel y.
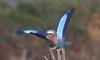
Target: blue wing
{"type": "Point", "coordinates": [61, 29]}
{"type": "Point", "coordinates": [39, 33]}
{"type": "Point", "coordinates": [26, 31]}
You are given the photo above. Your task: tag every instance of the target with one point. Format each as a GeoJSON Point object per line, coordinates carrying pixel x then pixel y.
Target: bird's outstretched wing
{"type": "Point", "coordinates": [26, 31]}
{"type": "Point", "coordinates": [39, 33]}
{"type": "Point", "coordinates": [61, 29]}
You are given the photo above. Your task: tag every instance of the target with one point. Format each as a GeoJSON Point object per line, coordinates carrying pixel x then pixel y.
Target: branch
{"type": "Point", "coordinates": [52, 54]}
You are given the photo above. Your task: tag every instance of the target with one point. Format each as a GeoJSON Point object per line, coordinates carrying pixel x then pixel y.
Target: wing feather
{"type": "Point", "coordinates": [61, 29]}
{"type": "Point", "coordinates": [39, 33]}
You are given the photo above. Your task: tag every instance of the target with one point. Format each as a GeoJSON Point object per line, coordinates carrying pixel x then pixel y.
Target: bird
{"type": "Point", "coordinates": [55, 37]}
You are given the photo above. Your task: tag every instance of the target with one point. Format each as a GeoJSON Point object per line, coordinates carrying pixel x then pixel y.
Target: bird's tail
{"type": "Point", "coordinates": [63, 44]}
{"type": "Point", "coordinates": [68, 42]}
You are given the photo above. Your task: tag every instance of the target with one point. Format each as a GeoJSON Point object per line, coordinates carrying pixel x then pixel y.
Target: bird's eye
{"type": "Point", "coordinates": [50, 34]}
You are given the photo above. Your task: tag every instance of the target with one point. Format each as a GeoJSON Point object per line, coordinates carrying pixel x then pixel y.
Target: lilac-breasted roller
{"type": "Point", "coordinates": [56, 38]}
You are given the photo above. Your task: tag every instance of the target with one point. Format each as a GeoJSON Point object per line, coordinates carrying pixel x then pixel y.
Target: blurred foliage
{"type": "Point", "coordinates": [45, 14]}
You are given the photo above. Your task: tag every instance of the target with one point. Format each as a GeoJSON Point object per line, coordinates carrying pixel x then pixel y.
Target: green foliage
{"type": "Point", "coordinates": [26, 8]}
{"type": "Point", "coordinates": [44, 13]}
{"type": "Point", "coordinates": [80, 31]}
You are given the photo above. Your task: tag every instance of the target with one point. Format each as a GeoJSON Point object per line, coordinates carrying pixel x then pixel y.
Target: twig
{"type": "Point", "coordinates": [63, 53]}
{"type": "Point", "coordinates": [24, 53]}
{"type": "Point", "coordinates": [52, 54]}
{"type": "Point", "coordinates": [45, 57]}
{"type": "Point", "coordinates": [59, 54]}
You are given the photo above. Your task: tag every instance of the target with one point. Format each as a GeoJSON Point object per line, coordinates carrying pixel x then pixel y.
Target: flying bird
{"type": "Point", "coordinates": [55, 37]}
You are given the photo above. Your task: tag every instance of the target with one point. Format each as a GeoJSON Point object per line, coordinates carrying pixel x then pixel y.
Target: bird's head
{"type": "Point", "coordinates": [51, 35]}
{"type": "Point", "coordinates": [50, 32]}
